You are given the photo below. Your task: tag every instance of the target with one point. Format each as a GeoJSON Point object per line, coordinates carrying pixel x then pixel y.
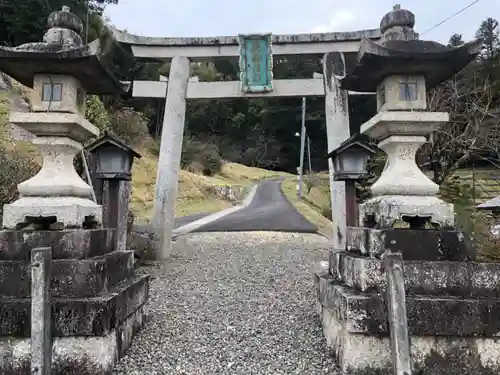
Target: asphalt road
{"type": "Point", "coordinates": [268, 211]}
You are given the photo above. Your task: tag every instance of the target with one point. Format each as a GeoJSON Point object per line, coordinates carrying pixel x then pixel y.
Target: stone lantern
{"type": "Point", "coordinates": [405, 295]}
{"type": "Point", "coordinates": [350, 164]}
{"type": "Point", "coordinates": [61, 71]}
{"type": "Point", "coordinates": [401, 69]}
{"type": "Point", "coordinates": [70, 302]}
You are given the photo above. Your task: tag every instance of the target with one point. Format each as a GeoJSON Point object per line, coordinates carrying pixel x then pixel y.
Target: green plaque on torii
{"type": "Point", "coordinates": [256, 63]}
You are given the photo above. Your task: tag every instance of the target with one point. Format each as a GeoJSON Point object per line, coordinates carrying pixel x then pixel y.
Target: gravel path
{"type": "Point", "coordinates": [234, 303]}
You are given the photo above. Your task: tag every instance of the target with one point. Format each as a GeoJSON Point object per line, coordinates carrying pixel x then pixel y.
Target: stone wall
{"type": "Point", "coordinates": [229, 193]}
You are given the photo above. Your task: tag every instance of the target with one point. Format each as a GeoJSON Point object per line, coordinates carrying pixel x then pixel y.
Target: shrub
{"type": "Point", "coordinates": [129, 125]}
{"type": "Point", "coordinates": [197, 156]}
{"type": "Point", "coordinates": [310, 181]}
{"type": "Point", "coordinates": [200, 154]}
{"type": "Point", "coordinates": [16, 168]}
{"type": "Point", "coordinates": [96, 113]}
{"type": "Point", "coordinates": [125, 122]}
{"type": "Point", "coordinates": [155, 147]}
{"type": "Point", "coordinates": [326, 211]}
{"type": "Point", "coordinates": [195, 167]}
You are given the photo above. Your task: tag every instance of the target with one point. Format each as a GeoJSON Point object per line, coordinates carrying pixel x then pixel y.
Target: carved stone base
{"type": "Point", "coordinates": [425, 245]}
{"type": "Point", "coordinates": [68, 212]}
{"type": "Point", "coordinates": [75, 355]}
{"type": "Point", "coordinates": [384, 211]}
{"type": "Point", "coordinates": [451, 308]}
{"type": "Point", "coordinates": [97, 302]}
{"type": "Point", "coordinates": [359, 353]}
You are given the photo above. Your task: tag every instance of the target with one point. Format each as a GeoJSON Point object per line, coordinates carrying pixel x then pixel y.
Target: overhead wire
{"type": "Point", "coordinates": [450, 17]}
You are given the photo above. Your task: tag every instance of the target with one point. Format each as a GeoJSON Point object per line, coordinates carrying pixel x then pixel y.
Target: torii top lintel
{"type": "Point", "coordinates": [227, 46]}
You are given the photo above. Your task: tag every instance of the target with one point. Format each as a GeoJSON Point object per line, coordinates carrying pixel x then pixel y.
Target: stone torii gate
{"type": "Point", "coordinates": [255, 53]}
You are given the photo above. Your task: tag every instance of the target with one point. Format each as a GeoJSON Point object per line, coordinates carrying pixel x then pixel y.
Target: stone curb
{"type": "Point", "coordinates": [192, 226]}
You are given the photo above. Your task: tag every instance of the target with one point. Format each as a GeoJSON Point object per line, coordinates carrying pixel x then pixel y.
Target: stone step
{"type": "Point", "coordinates": [462, 279]}
{"type": "Point", "coordinates": [70, 278]}
{"type": "Point", "coordinates": [96, 316]}
{"type": "Point", "coordinates": [66, 244]}
{"type": "Point", "coordinates": [413, 244]}
{"type": "Point", "coordinates": [366, 313]}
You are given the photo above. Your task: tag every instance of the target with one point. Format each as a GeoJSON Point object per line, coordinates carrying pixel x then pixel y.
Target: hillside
{"type": "Point", "coordinates": [196, 192]}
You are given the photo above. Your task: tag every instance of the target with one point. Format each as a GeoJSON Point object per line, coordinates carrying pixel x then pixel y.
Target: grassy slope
{"type": "Point", "coordinates": [311, 206]}
{"type": "Point", "coordinates": [5, 137]}
{"type": "Point", "coordinates": [486, 186]}
{"type": "Point", "coordinates": [194, 194]}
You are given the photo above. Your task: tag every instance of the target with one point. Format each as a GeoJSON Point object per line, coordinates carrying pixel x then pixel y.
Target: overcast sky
{"type": "Point", "coordinates": [177, 18]}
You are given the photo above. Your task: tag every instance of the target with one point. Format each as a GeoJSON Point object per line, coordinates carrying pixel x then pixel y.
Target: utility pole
{"type": "Point", "coordinates": [309, 153]}
{"type": "Point", "coordinates": [302, 147]}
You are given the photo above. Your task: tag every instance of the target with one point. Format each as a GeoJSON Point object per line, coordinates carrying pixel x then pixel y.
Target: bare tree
{"type": "Point", "coordinates": [473, 131]}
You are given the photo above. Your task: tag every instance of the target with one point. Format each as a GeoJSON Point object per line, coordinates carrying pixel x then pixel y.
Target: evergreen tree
{"type": "Point", "coordinates": [488, 32]}
{"type": "Point", "coordinates": [455, 40]}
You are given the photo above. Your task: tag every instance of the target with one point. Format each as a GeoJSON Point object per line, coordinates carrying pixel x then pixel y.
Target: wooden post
{"type": "Point", "coordinates": [123, 197]}
{"type": "Point", "coordinates": [107, 208]}
{"type": "Point", "coordinates": [351, 204]}
{"type": "Point", "coordinates": [97, 183]}
{"type": "Point", "coordinates": [398, 321]}
{"type": "Point", "coordinates": [167, 176]}
{"type": "Point", "coordinates": [116, 201]}
{"type": "Point", "coordinates": [41, 336]}
{"type": "Point", "coordinates": [337, 130]}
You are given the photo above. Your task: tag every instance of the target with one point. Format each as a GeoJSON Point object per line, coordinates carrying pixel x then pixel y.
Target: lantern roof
{"type": "Point", "coordinates": [492, 204]}
{"type": "Point", "coordinates": [400, 52]}
{"type": "Point", "coordinates": [62, 52]}
{"type": "Point", "coordinates": [357, 141]}
{"type": "Point", "coordinates": [111, 139]}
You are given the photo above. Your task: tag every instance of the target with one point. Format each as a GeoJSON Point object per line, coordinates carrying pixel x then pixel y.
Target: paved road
{"type": "Point", "coordinates": [268, 211]}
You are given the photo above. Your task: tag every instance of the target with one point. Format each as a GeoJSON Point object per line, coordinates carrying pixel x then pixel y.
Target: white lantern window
{"type": "Point", "coordinates": [52, 92]}
{"type": "Point", "coordinates": [408, 91]}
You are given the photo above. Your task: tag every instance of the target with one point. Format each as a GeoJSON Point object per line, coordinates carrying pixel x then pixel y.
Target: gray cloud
{"type": "Point", "coordinates": [225, 17]}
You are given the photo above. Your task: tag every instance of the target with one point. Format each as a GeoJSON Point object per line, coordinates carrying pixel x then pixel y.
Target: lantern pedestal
{"type": "Point", "coordinates": [403, 192]}
{"type": "Point", "coordinates": [401, 175]}
{"type": "Point", "coordinates": [57, 177]}
{"type": "Point", "coordinates": [56, 194]}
